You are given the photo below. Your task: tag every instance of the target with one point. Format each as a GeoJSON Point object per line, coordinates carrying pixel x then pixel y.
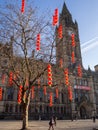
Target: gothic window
{"type": "Point", "coordinates": [10, 92]}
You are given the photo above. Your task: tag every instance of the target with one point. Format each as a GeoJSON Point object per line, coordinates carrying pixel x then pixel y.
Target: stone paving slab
{"type": "Point", "coordinates": [44, 125]}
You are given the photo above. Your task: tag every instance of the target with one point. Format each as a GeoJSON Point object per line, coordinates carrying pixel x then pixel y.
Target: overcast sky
{"type": "Point", "coordinates": [86, 14]}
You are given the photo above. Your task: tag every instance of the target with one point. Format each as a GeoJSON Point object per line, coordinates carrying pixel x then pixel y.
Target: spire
{"type": "Point", "coordinates": [64, 9]}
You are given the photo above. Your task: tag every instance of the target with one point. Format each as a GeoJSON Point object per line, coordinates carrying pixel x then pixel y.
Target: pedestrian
{"type": "Point", "coordinates": [94, 119]}
{"type": "Point", "coordinates": [51, 123]}
{"type": "Point", "coordinates": [54, 118]}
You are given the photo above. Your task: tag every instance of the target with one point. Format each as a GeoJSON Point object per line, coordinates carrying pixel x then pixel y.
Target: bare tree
{"type": "Point", "coordinates": [18, 31]}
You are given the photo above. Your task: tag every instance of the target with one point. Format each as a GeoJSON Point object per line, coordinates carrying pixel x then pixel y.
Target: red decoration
{"type": "Point", "coordinates": [32, 92]}
{"type": "Point", "coordinates": [55, 17]}
{"type": "Point", "coordinates": [79, 70]}
{"type": "Point", "coordinates": [10, 78]}
{"type": "Point", "coordinates": [70, 93]}
{"type": "Point", "coordinates": [60, 31]}
{"type": "Point", "coordinates": [20, 94]}
{"type": "Point", "coordinates": [50, 96]}
{"type": "Point", "coordinates": [45, 90]}
{"type": "Point", "coordinates": [66, 76]}
{"type": "Point", "coordinates": [23, 6]}
{"type": "Point", "coordinates": [38, 42]}
{"type": "Point", "coordinates": [0, 93]}
{"type": "Point", "coordinates": [73, 57]}
{"type": "Point", "coordinates": [49, 75]}
{"type": "Point", "coordinates": [73, 40]}
{"type": "Point", "coordinates": [56, 92]}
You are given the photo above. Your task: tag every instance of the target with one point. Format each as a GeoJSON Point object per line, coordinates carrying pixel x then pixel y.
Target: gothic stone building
{"type": "Point", "coordinates": [84, 90]}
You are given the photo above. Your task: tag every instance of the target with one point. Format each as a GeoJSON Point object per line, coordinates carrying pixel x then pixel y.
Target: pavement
{"type": "Point", "coordinates": [44, 125]}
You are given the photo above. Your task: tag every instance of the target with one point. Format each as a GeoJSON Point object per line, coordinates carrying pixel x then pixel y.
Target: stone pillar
{"type": "Point", "coordinates": [92, 94]}
{"type": "Point", "coordinates": [73, 101]}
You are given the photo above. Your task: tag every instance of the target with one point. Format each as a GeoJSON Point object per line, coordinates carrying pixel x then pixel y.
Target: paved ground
{"type": "Point", "coordinates": [43, 125]}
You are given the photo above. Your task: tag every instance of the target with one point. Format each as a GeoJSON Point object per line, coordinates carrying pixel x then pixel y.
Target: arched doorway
{"type": "Point", "coordinates": [82, 112]}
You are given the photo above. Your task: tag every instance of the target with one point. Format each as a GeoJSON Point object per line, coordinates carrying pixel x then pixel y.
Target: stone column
{"type": "Point", "coordinates": [92, 94]}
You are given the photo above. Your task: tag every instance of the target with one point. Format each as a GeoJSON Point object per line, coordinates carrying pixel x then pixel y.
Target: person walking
{"type": "Point", "coordinates": [54, 118]}
{"type": "Point", "coordinates": [51, 123]}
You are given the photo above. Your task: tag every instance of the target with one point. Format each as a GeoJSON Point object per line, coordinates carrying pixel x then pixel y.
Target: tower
{"type": "Point", "coordinates": [64, 45]}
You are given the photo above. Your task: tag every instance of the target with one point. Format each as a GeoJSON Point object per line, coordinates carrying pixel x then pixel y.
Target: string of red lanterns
{"type": "Point", "coordinates": [73, 40]}
{"type": "Point", "coordinates": [60, 34]}
{"type": "Point", "coordinates": [66, 76]}
{"type": "Point", "coordinates": [49, 75]}
{"type": "Point", "coordinates": [20, 94]}
{"type": "Point", "coordinates": [73, 57]}
{"type": "Point", "coordinates": [55, 17]}
{"type": "Point", "coordinates": [0, 94]}
{"type": "Point", "coordinates": [32, 92]}
{"type": "Point", "coordinates": [70, 93]}
{"type": "Point", "coordinates": [38, 42]}
{"type": "Point", "coordinates": [79, 70]}
{"type": "Point", "coordinates": [23, 6]}
{"type": "Point", "coordinates": [50, 99]}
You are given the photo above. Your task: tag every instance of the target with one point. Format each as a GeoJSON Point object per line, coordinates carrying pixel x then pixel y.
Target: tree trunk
{"type": "Point", "coordinates": [25, 114]}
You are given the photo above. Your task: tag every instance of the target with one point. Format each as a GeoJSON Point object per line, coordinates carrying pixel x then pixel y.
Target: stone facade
{"type": "Point", "coordinates": [85, 90]}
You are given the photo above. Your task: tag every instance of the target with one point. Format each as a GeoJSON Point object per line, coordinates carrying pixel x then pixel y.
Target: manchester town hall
{"type": "Point", "coordinates": [83, 102]}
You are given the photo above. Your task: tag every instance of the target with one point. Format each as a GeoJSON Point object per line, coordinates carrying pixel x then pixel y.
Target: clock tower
{"type": "Point", "coordinates": [64, 45]}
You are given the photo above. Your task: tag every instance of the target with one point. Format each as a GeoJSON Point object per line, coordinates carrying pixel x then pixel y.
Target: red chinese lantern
{"type": "Point", "coordinates": [73, 40]}
{"type": "Point", "coordinates": [22, 6]}
{"type": "Point", "coordinates": [57, 92]}
{"type": "Point", "coordinates": [66, 76]}
{"type": "Point", "coordinates": [0, 94]}
{"type": "Point", "coordinates": [49, 75]}
{"type": "Point", "coordinates": [55, 17]}
{"type": "Point", "coordinates": [79, 70]}
{"type": "Point", "coordinates": [50, 97]}
{"type": "Point", "coordinates": [10, 78]}
{"type": "Point", "coordinates": [70, 93]}
{"type": "Point", "coordinates": [20, 94]}
{"type": "Point", "coordinates": [73, 57]}
{"type": "Point", "coordinates": [60, 35]}
{"type": "Point", "coordinates": [32, 92]}
{"type": "Point", "coordinates": [45, 90]}
{"type": "Point", "coordinates": [38, 42]}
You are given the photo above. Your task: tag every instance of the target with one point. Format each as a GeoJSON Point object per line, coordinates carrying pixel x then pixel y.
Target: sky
{"type": "Point", "coordinates": [85, 12]}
